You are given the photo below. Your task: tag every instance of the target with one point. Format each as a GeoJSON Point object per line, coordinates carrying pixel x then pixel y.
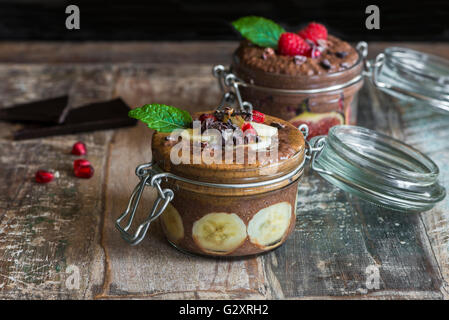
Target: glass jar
{"type": "Point", "coordinates": [412, 76]}
{"type": "Point", "coordinates": [320, 101]}
{"type": "Point", "coordinates": [223, 209]}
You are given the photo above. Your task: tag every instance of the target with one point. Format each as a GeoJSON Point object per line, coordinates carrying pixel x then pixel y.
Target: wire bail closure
{"type": "Point", "coordinates": [147, 176]}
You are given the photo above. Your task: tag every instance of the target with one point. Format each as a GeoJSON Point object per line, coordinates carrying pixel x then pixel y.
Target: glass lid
{"type": "Point", "coordinates": [413, 75]}
{"type": "Point", "coordinates": [377, 168]}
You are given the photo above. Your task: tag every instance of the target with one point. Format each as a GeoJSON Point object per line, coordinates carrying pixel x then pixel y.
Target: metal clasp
{"type": "Point", "coordinates": [229, 85]}
{"type": "Point", "coordinates": [147, 176]}
{"type": "Point", "coordinates": [371, 69]}
{"type": "Point", "coordinates": [315, 151]}
{"type": "Point", "coordinates": [362, 48]}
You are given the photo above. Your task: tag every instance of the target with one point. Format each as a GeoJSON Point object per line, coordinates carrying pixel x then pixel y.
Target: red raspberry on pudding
{"type": "Point", "coordinates": [290, 44]}
{"type": "Point", "coordinates": [314, 32]}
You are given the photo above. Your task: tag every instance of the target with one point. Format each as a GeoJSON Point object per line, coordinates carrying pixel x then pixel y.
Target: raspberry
{"type": "Point", "coordinates": [43, 176]}
{"type": "Point", "coordinates": [258, 116]}
{"type": "Point", "coordinates": [291, 44]}
{"type": "Point", "coordinates": [79, 149]}
{"type": "Point", "coordinates": [314, 32]}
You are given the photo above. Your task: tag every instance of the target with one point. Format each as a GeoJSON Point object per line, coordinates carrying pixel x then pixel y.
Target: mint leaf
{"type": "Point", "coordinates": [162, 118]}
{"type": "Point", "coordinates": [260, 31]}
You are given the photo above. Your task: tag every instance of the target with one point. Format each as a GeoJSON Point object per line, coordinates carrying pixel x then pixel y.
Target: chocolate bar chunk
{"type": "Point", "coordinates": [92, 117]}
{"type": "Point", "coordinates": [43, 111]}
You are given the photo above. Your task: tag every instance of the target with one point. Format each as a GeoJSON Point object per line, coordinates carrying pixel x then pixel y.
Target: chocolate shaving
{"type": "Point", "coordinates": [169, 138]}
{"type": "Point", "coordinates": [267, 52]}
{"type": "Point", "coordinates": [314, 54]}
{"type": "Point", "coordinates": [341, 54]}
{"type": "Point", "coordinates": [325, 64]}
{"type": "Point", "coordinates": [299, 60]}
{"type": "Point", "coordinates": [322, 43]}
{"type": "Point", "coordinates": [277, 125]}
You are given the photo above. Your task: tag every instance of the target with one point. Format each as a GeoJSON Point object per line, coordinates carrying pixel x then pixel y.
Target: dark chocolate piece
{"type": "Point", "coordinates": [44, 111]}
{"type": "Point", "coordinates": [92, 117]}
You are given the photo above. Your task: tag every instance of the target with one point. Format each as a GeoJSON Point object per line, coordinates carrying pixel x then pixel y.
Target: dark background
{"type": "Point", "coordinates": [209, 20]}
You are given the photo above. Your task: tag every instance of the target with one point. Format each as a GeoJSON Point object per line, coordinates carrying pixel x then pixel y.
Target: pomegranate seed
{"type": "Point", "coordinates": [247, 126]}
{"type": "Point", "coordinates": [79, 149]}
{"type": "Point", "coordinates": [84, 172]}
{"type": "Point", "coordinates": [80, 163]}
{"type": "Point", "coordinates": [258, 116]}
{"type": "Point", "coordinates": [205, 116]}
{"type": "Point", "coordinates": [43, 176]}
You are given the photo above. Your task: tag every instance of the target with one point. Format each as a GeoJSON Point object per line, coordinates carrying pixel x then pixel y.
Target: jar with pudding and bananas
{"type": "Point", "coordinates": [228, 207]}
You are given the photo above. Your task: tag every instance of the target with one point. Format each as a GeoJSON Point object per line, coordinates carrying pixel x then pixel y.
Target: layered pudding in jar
{"type": "Point", "coordinates": [236, 205]}
{"type": "Point", "coordinates": [305, 76]}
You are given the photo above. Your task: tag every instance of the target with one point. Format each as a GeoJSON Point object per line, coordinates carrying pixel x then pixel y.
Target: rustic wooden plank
{"type": "Point", "coordinates": [429, 131]}
{"type": "Point", "coordinates": [46, 228]}
{"type": "Point", "coordinates": [117, 52]}
{"type": "Point", "coordinates": [337, 237]}
{"type": "Point", "coordinates": [204, 52]}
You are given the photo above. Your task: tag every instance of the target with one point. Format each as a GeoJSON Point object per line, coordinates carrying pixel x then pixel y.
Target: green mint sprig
{"type": "Point", "coordinates": [162, 118]}
{"type": "Point", "coordinates": [260, 31]}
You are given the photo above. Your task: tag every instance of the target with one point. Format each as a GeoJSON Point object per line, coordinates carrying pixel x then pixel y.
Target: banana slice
{"type": "Point", "coordinates": [264, 130]}
{"type": "Point", "coordinates": [188, 134]}
{"type": "Point", "coordinates": [219, 233]}
{"type": "Point", "coordinates": [268, 226]}
{"type": "Point", "coordinates": [172, 223]}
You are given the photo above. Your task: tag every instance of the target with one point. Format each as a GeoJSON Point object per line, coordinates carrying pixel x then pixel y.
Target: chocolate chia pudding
{"type": "Point", "coordinates": [318, 87]}
{"type": "Point", "coordinates": [220, 221]}
{"type": "Point", "coordinates": [338, 55]}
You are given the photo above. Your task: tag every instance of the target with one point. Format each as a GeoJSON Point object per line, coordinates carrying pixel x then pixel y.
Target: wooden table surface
{"type": "Point", "coordinates": [50, 233]}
